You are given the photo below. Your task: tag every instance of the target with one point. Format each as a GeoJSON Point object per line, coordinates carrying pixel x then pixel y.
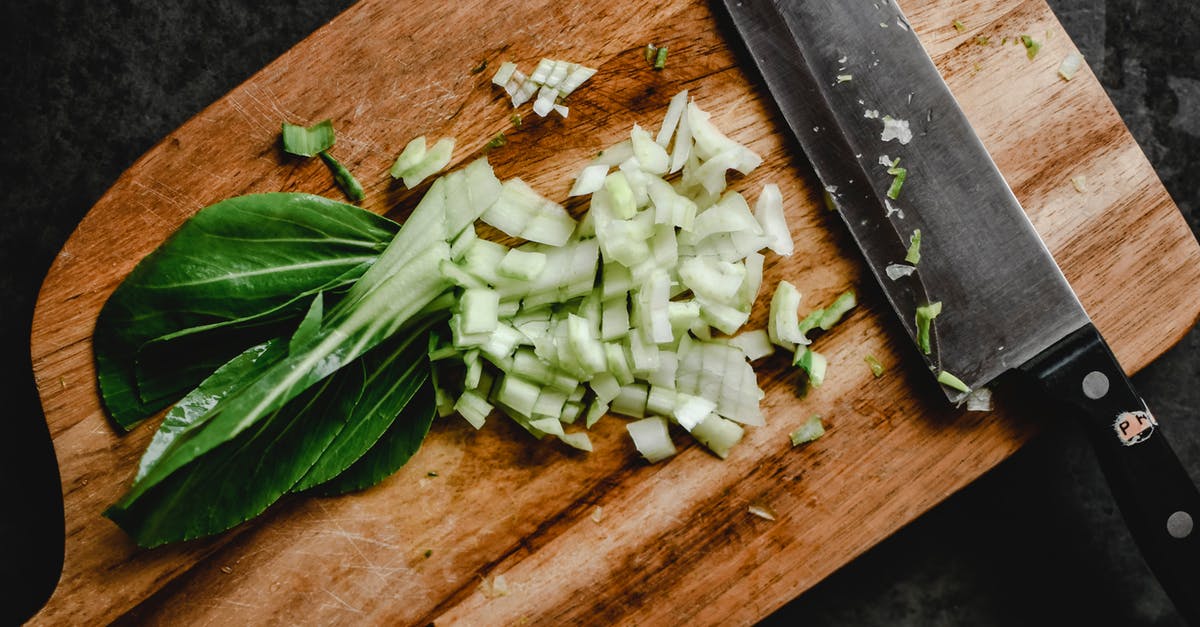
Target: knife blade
{"type": "Point", "coordinates": [858, 91]}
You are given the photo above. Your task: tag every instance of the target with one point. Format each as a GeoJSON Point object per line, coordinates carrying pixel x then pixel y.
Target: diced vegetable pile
{"type": "Point", "coordinates": [616, 313]}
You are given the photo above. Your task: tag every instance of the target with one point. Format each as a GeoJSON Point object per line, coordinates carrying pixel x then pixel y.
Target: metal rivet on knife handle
{"type": "Point", "coordinates": [1095, 385]}
{"type": "Point", "coordinates": [1179, 525]}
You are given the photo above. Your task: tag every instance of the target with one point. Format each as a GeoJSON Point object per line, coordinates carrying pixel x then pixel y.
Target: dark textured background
{"type": "Point", "coordinates": [88, 87]}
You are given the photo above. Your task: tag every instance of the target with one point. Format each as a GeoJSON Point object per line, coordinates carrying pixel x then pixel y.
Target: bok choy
{"type": "Point", "coordinates": [322, 340]}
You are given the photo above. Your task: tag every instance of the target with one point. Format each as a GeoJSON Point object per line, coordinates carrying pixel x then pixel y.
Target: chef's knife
{"type": "Point", "coordinates": [858, 91]}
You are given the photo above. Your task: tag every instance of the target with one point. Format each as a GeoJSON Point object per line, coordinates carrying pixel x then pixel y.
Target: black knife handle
{"type": "Point", "coordinates": [1158, 500]}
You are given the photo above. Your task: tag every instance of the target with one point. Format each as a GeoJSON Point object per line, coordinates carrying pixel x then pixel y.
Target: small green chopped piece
{"type": "Point", "coordinates": [812, 363]}
{"type": "Point", "coordinates": [925, 316]}
{"type": "Point", "coordinates": [718, 434]}
{"type": "Point", "coordinates": [1032, 46]}
{"type": "Point", "coordinates": [409, 158]}
{"type": "Point", "coordinates": [495, 142]}
{"type": "Point", "coordinates": [914, 248]}
{"type": "Point", "coordinates": [959, 26]}
{"type": "Point", "coordinates": [811, 321]}
{"type": "Point", "coordinates": [479, 68]}
{"type": "Point", "coordinates": [952, 382]}
{"type": "Point", "coordinates": [660, 58]}
{"type": "Point", "coordinates": [344, 179]}
{"type": "Point", "coordinates": [875, 366]}
{"type": "Point", "coordinates": [649, 53]}
{"type": "Point", "coordinates": [431, 473]}
{"type": "Point", "coordinates": [983, 40]}
{"type": "Point", "coordinates": [428, 552]}
{"type": "Point", "coordinates": [899, 175]}
{"type": "Point", "coordinates": [308, 142]}
{"type": "Point", "coordinates": [833, 313]}
{"type": "Point", "coordinates": [1003, 41]}
{"type": "Point", "coordinates": [842, 78]}
{"type": "Point", "coordinates": [810, 430]}
{"type": "Point", "coordinates": [515, 119]}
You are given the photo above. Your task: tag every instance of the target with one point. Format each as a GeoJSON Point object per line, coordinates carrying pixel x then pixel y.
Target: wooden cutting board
{"type": "Point", "coordinates": [597, 538]}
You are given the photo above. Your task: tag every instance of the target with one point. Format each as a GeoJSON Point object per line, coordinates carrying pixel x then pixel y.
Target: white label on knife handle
{"type": "Point", "coordinates": [1134, 427]}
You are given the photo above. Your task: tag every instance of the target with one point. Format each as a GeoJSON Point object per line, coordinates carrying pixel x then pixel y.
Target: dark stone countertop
{"type": "Point", "coordinates": [89, 87]}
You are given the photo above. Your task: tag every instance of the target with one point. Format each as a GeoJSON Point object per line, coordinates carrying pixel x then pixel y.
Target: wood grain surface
{"type": "Point", "coordinates": [674, 542]}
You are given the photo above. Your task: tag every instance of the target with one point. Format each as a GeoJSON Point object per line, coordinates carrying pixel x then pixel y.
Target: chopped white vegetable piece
{"type": "Point", "coordinates": [522, 212]}
{"type": "Point", "coordinates": [769, 213]}
{"type": "Point", "coordinates": [650, 156]}
{"type": "Point", "coordinates": [615, 154]}
{"type": "Point", "coordinates": [549, 403]}
{"type": "Point", "coordinates": [712, 279]}
{"type": "Point", "coordinates": [895, 271]}
{"type": "Point", "coordinates": [668, 364]}
{"type": "Point", "coordinates": [546, 426]}
{"type": "Point", "coordinates": [590, 179]}
{"type": "Point", "coordinates": [515, 80]}
{"type": "Point", "coordinates": [979, 400]}
{"type": "Point", "coordinates": [1070, 66]}
{"type": "Point", "coordinates": [755, 344]}
{"type": "Point", "coordinates": [523, 265]}
{"type": "Point", "coordinates": [614, 319]}
{"type": "Point", "coordinates": [595, 412]}
{"type": "Point", "coordinates": [428, 163]}
{"type": "Point", "coordinates": [895, 129]}
{"type": "Point", "coordinates": [661, 401]}
{"type": "Point", "coordinates": [753, 281]}
{"type": "Point", "coordinates": [504, 73]}
{"type": "Point", "coordinates": [631, 401]}
{"type": "Point", "coordinates": [524, 90]}
{"type": "Point", "coordinates": [643, 354]}
{"type": "Point", "coordinates": [478, 310]}
{"type": "Point", "coordinates": [762, 511]}
{"type": "Point", "coordinates": [495, 588]}
{"type": "Point", "coordinates": [651, 438]}
{"type": "Point", "coordinates": [682, 147]}
{"type": "Point", "coordinates": [783, 325]}
{"type": "Point", "coordinates": [620, 196]}
{"type": "Point", "coordinates": [473, 408]}
{"type": "Point", "coordinates": [718, 434]}
{"type": "Point", "coordinates": [517, 394]}
{"type": "Point", "coordinates": [653, 299]}
{"type": "Point", "coordinates": [675, 111]}
{"type": "Point", "coordinates": [542, 71]}
{"type": "Point", "coordinates": [544, 103]}
{"type": "Point", "coordinates": [690, 410]}
{"type": "Point", "coordinates": [502, 342]}
{"type": "Point", "coordinates": [462, 243]}
{"type": "Point", "coordinates": [578, 440]}
{"type": "Point", "coordinates": [576, 78]}
{"type": "Point", "coordinates": [409, 157]}
{"type": "Point", "coordinates": [618, 363]}
{"type": "Point", "coordinates": [731, 214]}
{"type": "Point", "coordinates": [560, 71]}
